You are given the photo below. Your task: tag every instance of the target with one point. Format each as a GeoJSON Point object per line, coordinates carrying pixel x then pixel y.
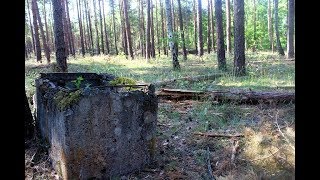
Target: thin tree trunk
{"type": "Point", "coordinates": [209, 29]}
{"type": "Point", "coordinates": [44, 41]}
{"type": "Point", "coordinates": [80, 27]}
{"type": "Point", "coordinates": [199, 27]}
{"type": "Point", "coordinates": [148, 43]}
{"type": "Point", "coordinates": [157, 29]}
{"type": "Point", "coordinates": [143, 31]}
{"type": "Point", "coordinates": [124, 36]}
{"type": "Point", "coordinates": [96, 26]}
{"type": "Point", "coordinates": [270, 26]}
{"type": "Point", "coordinates": [239, 51]}
{"type": "Point", "coordinates": [36, 31]}
{"type": "Point", "coordinates": [276, 24]}
{"type": "Point", "coordinates": [172, 45]}
{"type": "Point", "coordinates": [52, 28]}
{"type": "Point", "coordinates": [59, 36]}
{"type": "Point", "coordinates": [90, 28]}
{"type": "Point", "coordinates": [184, 51]}
{"type": "Point", "coordinates": [31, 29]}
{"type": "Point", "coordinates": [164, 42]}
{"type": "Point", "coordinates": [153, 53]}
{"type": "Point", "coordinates": [141, 35]}
{"type": "Point", "coordinates": [172, 15]}
{"type": "Point", "coordinates": [195, 25]}
{"type": "Point", "coordinates": [114, 26]}
{"type": "Point", "coordinates": [212, 27]}
{"type": "Point", "coordinates": [290, 47]}
{"type": "Point", "coordinates": [84, 23]}
{"type": "Point", "coordinates": [254, 26]}
{"type": "Point", "coordinates": [105, 28]}
{"type": "Point", "coordinates": [71, 40]}
{"type": "Point", "coordinates": [128, 29]}
{"type": "Point", "coordinates": [45, 23]}
{"type": "Point", "coordinates": [220, 37]}
{"type": "Point", "coordinates": [101, 28]}
{"type": "Point", "coordinates": [65, 27]}
{"type": "Point", "coordinates": [228, 24]}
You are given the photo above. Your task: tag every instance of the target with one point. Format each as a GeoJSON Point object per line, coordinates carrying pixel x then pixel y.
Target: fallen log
{"type": "Point", "coordinates": [218, 135]}
{"type": "Point", "coordinates": [191, 79]}
{"type": "Point", "coordinates": [238, 96]}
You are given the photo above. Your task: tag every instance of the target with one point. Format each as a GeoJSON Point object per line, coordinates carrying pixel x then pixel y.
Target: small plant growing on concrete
{"type": "Point", "coordinates": [78, 81]}
{"type": "Point", "coordinates": [124, 81]}
{"type": "Point", "coordinates": [65, 99]}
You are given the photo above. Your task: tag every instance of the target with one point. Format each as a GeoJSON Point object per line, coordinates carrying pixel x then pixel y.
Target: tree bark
{"type": "Point", "coordinates": [239, 47]}
{"type": "Point", "coordinates": [101, 28]}
{"type": "Point", "coordinates": [199, 28]}
{"type": "Point", "coordinates": [71, 40]}
{"type": "Point", "coordinates": [45, 23]}
{"type": "Point", "coordinates": [254, 26]}
{"type": "Point", "coordinates": [153, 53]}
{"type": "Point", "coordinates": [123, 30]}
{"type": "Point", "coordinates": [148, 43]}
{"type": "Point", "coordinates": [36, 31]}
{"type": "Point", "coordinates": [195, 25]}
{"type": "Point", "coordinates": [105, 28]}
{"type": "Point", "coordinates": [172, 44]}
{"type": "Point", "coordinates": [28, 119]}
{"type": "Point", "coordinates": [228, 26]}
{"type": "Point", "coordinates": [184, 51]}
{"type": "Point", "coordinates": [209, 29]}
{"type": "Point", "coordinates": [44, 40]}
{"type": "Point", "coordinates": [59, 36]}
{"type": "Point", "coordinates": [157, 29]}
{"type": "Point", "coordinates": [164, 42]}
{"type": "Point", "coordinates": [127, 28]}
{"type": "Point", "coordinates": [290, 47]}
{"type": "Point", "coordinates": [80, 27]}
{"type": "Point", "coordinates": [220, 37]}
{"type": "Point", "coordinates": [270, 26]}
{"type": "Point", "coordinates": [114, 26]}
{"type": "Point", "coordinates": [141, 32]}
{"type": "Point", "coordinates": [172, 16]}
{"type": "Point", "coordinates": [65, 27]}
{"type": "Point", "coordinates": [90, 28]}
{"type": "Point", "coordinates": [52, 28]}
{"type": "Point", "coordinates": [212, 28]}
{"type": "Point", "coordinates": [31, 29]}
{"type": "Point", "coordinates": [96, 26]}
{"type": "Point", "coordinates": [276, 24]}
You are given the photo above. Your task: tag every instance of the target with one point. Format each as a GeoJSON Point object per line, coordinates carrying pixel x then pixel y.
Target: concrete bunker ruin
{"type": "Point", "coordinates": [94, 129]}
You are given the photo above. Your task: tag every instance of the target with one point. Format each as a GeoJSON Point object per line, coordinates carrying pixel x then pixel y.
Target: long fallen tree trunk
{"type": "Point", "coordinates": [190, 79]}
{"type": "Point", "coordinates": [238, 96]}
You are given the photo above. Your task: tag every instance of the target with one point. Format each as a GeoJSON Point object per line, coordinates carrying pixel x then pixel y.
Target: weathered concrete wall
{"type": "Point", "coordinates": [105, 134]}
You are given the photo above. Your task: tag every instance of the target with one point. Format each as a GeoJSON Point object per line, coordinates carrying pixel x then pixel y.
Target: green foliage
{"type": "Point", "coordinates": [65, 99]}
{"type": "Point", "coordinates": [78, 81]}
{"type": "Point", "coordinates": [123, 81]}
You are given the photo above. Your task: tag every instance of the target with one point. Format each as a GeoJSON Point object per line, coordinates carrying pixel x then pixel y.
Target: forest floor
{"type": "Point", "coordinates": [267, 150]}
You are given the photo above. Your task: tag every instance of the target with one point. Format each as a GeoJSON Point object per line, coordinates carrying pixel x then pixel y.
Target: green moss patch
{"type": "Point", "coordinates": [65, 99]}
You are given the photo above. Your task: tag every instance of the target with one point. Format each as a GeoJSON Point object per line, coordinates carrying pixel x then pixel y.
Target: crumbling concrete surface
{"type": "Point", "coordinates": [103, 132]}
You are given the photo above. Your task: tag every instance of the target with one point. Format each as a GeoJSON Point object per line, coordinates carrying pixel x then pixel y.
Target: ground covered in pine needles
{"type": "Point", "coordinates": [266, 149]}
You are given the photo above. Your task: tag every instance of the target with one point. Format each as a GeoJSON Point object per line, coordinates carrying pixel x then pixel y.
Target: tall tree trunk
{"type": "Point", "coordinates": [254, 26]}
{"type": "Point", "coordinates": [276, 24]}
{"type": "Point", "coordinates": [195, 24]}
{"type": "Point", "coordinates": [59, 36]}
{"type": "Point", "coordinates": [101, 28]}
{"type": "Point", "coordinates": [52, 28]}
{"type": "Point", "coordinates": [164, 42]}
{"type": "Point", "coordinates": [45, 23]}
{"type": "Point", "coordinates": [71, 40]}
{"type": "Point", "coordinates": [290, 47]}
{"type": "Point", "coordinates": [153, 53]}
{"type": "Point", "coordinates": [220, 37]}
{"type": "Point", "coordinates": [209, 29]}
{"type": "Point", "coordinates": [239, 54]}
{"type": "Point", "coordinates": [172, 45]}
{"type": "Point", "coordinates": [65, 27]}
{"type": "Point", "coordinates": [90, 28]}
{"type": "Point", "coordinates": [157, 29]}
{"type": "Point", "coordinates": [228, 26]}
{"type": "Point", "coordinates": [105, 28]}
{"type": "Point", "coordinates": [31, 29]}
{"type": "Point", "coordinates": [212, 27]}
{"type": "Point", "coordinates": [172, 15]}
{"type": "Point", "coordinates": [141, 35]}
{"type": "Point", "coordinates": [128, 29]}
{"type": "Point", "coordinates": [199, 27]}
{"type": "Point", "coordinates": [148, 43]}
{"type": "Point", "coordinates": [184, 51]}
{"type": "Point", "coordinates": [114, 26]}
{"type": "Point", "coordinates": [44, 40]}
{"type": "Point", "coordinates": [123, 30]}
{"type": "Point", "coordinates": [270, 26]}
{"type": "Point", "coordinates": [84, 25]}
{"type": "Point", "coordinates": [36, 31]}
{"type": "Point", "coordinates": [80, 27]}
{"type": "Point", "coordinates": [96, 26]}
